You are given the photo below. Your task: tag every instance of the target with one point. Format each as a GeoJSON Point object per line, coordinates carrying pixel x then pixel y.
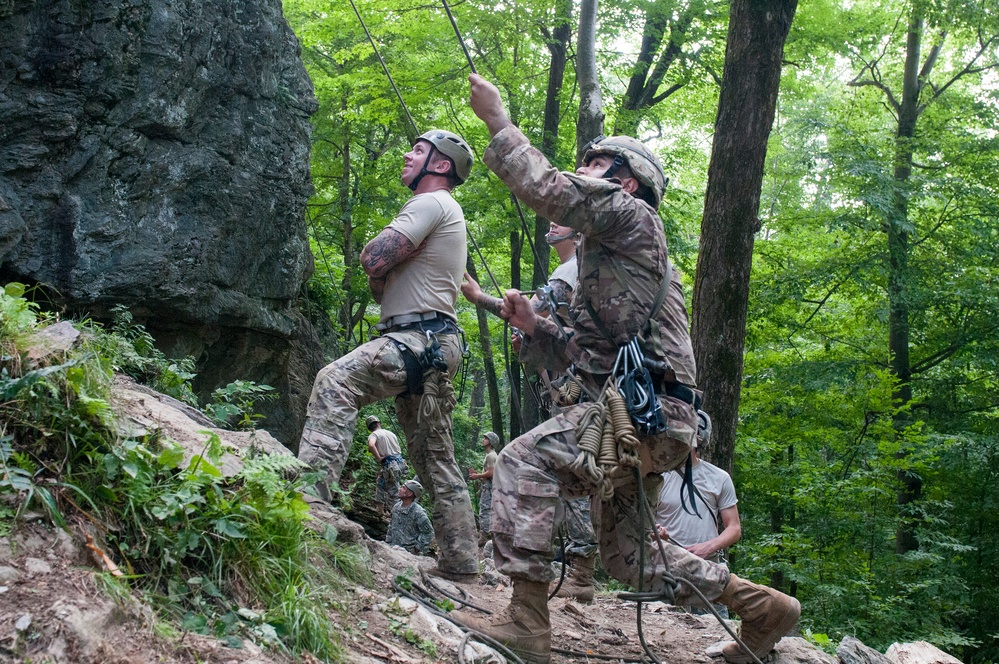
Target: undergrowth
{"type": "Point", "coordinates": [227, 556]}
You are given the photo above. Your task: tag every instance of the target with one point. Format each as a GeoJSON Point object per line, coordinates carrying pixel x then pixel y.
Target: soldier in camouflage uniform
{"type": "Point", "coordinates": [410, 526]}
{"type": "Point", "coordinates": [612, 200]}
{"type": "Point", "coordinates": [414, 269]}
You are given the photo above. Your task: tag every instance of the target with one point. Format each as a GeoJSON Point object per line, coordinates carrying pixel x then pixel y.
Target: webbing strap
{"type": "Point", "coordinates": [414, 371]}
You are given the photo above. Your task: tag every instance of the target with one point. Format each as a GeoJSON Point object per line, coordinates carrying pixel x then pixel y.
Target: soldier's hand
{"type": "Point", "coordinates": [702, 550]}
{"type": "Point", "coordinates": [662, 532]}
{"type": "Point", "coordinates": [486, 103]}
{"type": "Point", "coordinates": [470, 288]}
{"type": "Point", "coordinates": [518, 310]}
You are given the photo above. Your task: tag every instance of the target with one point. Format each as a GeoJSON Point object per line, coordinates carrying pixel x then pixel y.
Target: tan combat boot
{"type": "Point", "coordinates": [766, 614]}
{"type": "Point", "coordinates": [579, 583]}
{"type": "Point", "coordinates": [523, 626]}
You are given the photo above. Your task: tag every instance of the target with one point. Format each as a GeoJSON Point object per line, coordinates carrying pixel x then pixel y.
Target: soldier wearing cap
{"type": "Point", "coordinates": [384, 446]}
{"type": "Point", "coordinates": [414, 269]}
{"type": "Point", "coordinates": [410, 526]}
{"type": "Point", "coordinates": [489, 442]}
{"type": "Point", "coordinates": [628, 293]}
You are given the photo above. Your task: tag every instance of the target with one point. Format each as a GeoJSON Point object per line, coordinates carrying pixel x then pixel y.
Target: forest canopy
{"type": "Point", "coordinates": [866, 457]}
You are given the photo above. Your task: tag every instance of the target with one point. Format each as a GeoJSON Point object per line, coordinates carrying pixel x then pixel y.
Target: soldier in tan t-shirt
{"type": "Point", "coordinates": [414, 269]}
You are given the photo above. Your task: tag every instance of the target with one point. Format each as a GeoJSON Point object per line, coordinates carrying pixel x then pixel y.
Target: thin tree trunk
{"type": "Point", "coordinates": [746, 107]}
{"type": "Point", "coordinates": [651, 66]}
{"type": "Point", "coordinates": [489, 367]}
{"type": "Point", "coordinates": [910, 484]}
{"type": "Point", "coordinates": [590, 123]}
{"type": "Point", "coordinates": [512, 366]}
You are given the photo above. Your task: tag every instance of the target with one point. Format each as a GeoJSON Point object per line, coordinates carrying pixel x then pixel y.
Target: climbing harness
{"type": "Point", "coordinates": [627, 403]}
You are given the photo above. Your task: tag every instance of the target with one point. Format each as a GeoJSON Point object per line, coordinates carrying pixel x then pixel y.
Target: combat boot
{"type": "Point", "coordinates": [523, 626]}
{"type": "Point", "coordinates": [766, 614]}
{"type": "Point", "coordinates": [578, 584]}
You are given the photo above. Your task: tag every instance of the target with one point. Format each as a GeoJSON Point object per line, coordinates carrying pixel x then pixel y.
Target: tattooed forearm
{"type": "Point", "coordinates": [385, 252]}
{"type": "Point", "coordinates": [562, 291]}
{"type": "Point", "coordinates": [490, 304]}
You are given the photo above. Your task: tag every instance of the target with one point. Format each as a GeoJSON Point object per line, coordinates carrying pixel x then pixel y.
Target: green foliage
{"type": "Point", "coordinates": [232, 405]}
{"type": "Point", "coordinates": [229, 556]}
{"type": "Point", "coordinates": [131, 350]}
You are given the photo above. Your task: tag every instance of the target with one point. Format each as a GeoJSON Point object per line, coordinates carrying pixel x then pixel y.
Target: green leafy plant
{"type": "Point", "coordinates": [229, 556]}
{"type": "Point", "coordinates": [232, 405]}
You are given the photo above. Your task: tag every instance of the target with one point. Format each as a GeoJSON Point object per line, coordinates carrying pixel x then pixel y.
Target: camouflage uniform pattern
{"type": "Point", "coordinates": [622, 262]}
{"type": "Point", "coordinates": [393, 469]}
{"type": "Point", "coordinates": [410, 528]}
{"type": "Point", "coordinates": [485, 505]}
{"type": "Point", "coordinates": [486, 492]}
{"type": "Point", "coordinates": [374, 371]}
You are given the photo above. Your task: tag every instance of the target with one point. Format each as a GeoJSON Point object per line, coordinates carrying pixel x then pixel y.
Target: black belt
{"type": "Point", "coordinates": [440, 325]}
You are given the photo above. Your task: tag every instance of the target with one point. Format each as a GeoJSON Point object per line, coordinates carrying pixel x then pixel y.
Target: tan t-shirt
{"type": "Point", "coordinates": [489, 461]}
{"type": "Point", "coordinates": [429, 282]}
{"type": "Point", "coordinates": [386, 442]}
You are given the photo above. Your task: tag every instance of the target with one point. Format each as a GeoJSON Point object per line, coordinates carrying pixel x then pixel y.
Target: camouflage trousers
{"type": "Point", "coordinates": [533, 476]}
{"type": "Point", "coordinates": [392, 472]}
{"type": "Point", "coordinates": [582, 541]}
{"type": "Point", "coordinates": [485, 505]}
{"type": "Point", "coordinates": [374, 371]}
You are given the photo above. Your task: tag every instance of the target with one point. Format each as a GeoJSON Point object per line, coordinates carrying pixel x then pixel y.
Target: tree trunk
{"type": "Point", "coordinates": [486, 344]}
{"type": "Point", "coordinates": [651, 66]}
{"type": "Point", "coordinates": [590, 122]}
{"type": "Point", "coordinates": [756, 34]}
{"type": "Point", "coordinates": [512, 366]}
{"type": "Point", "coordinates": [910, 484]}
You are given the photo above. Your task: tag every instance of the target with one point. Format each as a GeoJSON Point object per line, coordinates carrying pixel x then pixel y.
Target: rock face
{"type": "Point", "coordinates": [155, 153]}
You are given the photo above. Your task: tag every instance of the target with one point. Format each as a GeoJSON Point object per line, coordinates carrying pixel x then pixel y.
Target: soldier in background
{"type": "Point", "coordinates": [410, 527]}
{"type": "Point", "coordinates": [628, 292]}
{"type": "Point", "coordinates": [489, 442]}
{"type": "Point", "coordinates": [384, 446]}
{"type": "Point", "coordinates": [414, 267]}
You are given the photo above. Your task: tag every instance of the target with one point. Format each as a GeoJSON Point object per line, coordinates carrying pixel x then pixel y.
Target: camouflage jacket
{"type": "Point", "coordinates": [410, 528]}
{"type": "Point", "coordinates": [622, 263]}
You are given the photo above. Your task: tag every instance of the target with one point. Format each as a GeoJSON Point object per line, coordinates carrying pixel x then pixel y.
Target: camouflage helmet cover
{"type": "Point", "coordinates": [372, 420]}
{"type": "Point", "coordinates": [644, 164]}
{"type": "Point", "coordinates": [453, 147]}
{"type": "Point", "coordinates": [492, 438]}
{"type": "Point", "coordinates": [414, 486]}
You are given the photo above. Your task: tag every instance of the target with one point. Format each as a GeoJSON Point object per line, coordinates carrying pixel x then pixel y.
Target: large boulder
{"type": "Point", "coordinates": [155, 153]}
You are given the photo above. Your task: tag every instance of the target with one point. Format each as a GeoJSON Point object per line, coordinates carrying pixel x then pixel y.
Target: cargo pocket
{"type": "Point", "coordinates": [537, 505]}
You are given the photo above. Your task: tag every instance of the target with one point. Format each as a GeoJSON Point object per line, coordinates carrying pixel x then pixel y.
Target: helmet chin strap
{"type": "Point", "coordinates": [618, 162]}
{"type": "Point", "coordinates": [423, 171]}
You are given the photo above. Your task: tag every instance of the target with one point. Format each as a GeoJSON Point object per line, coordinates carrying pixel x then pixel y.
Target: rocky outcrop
{"type": "Point", "coordinates": [155, 153]}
